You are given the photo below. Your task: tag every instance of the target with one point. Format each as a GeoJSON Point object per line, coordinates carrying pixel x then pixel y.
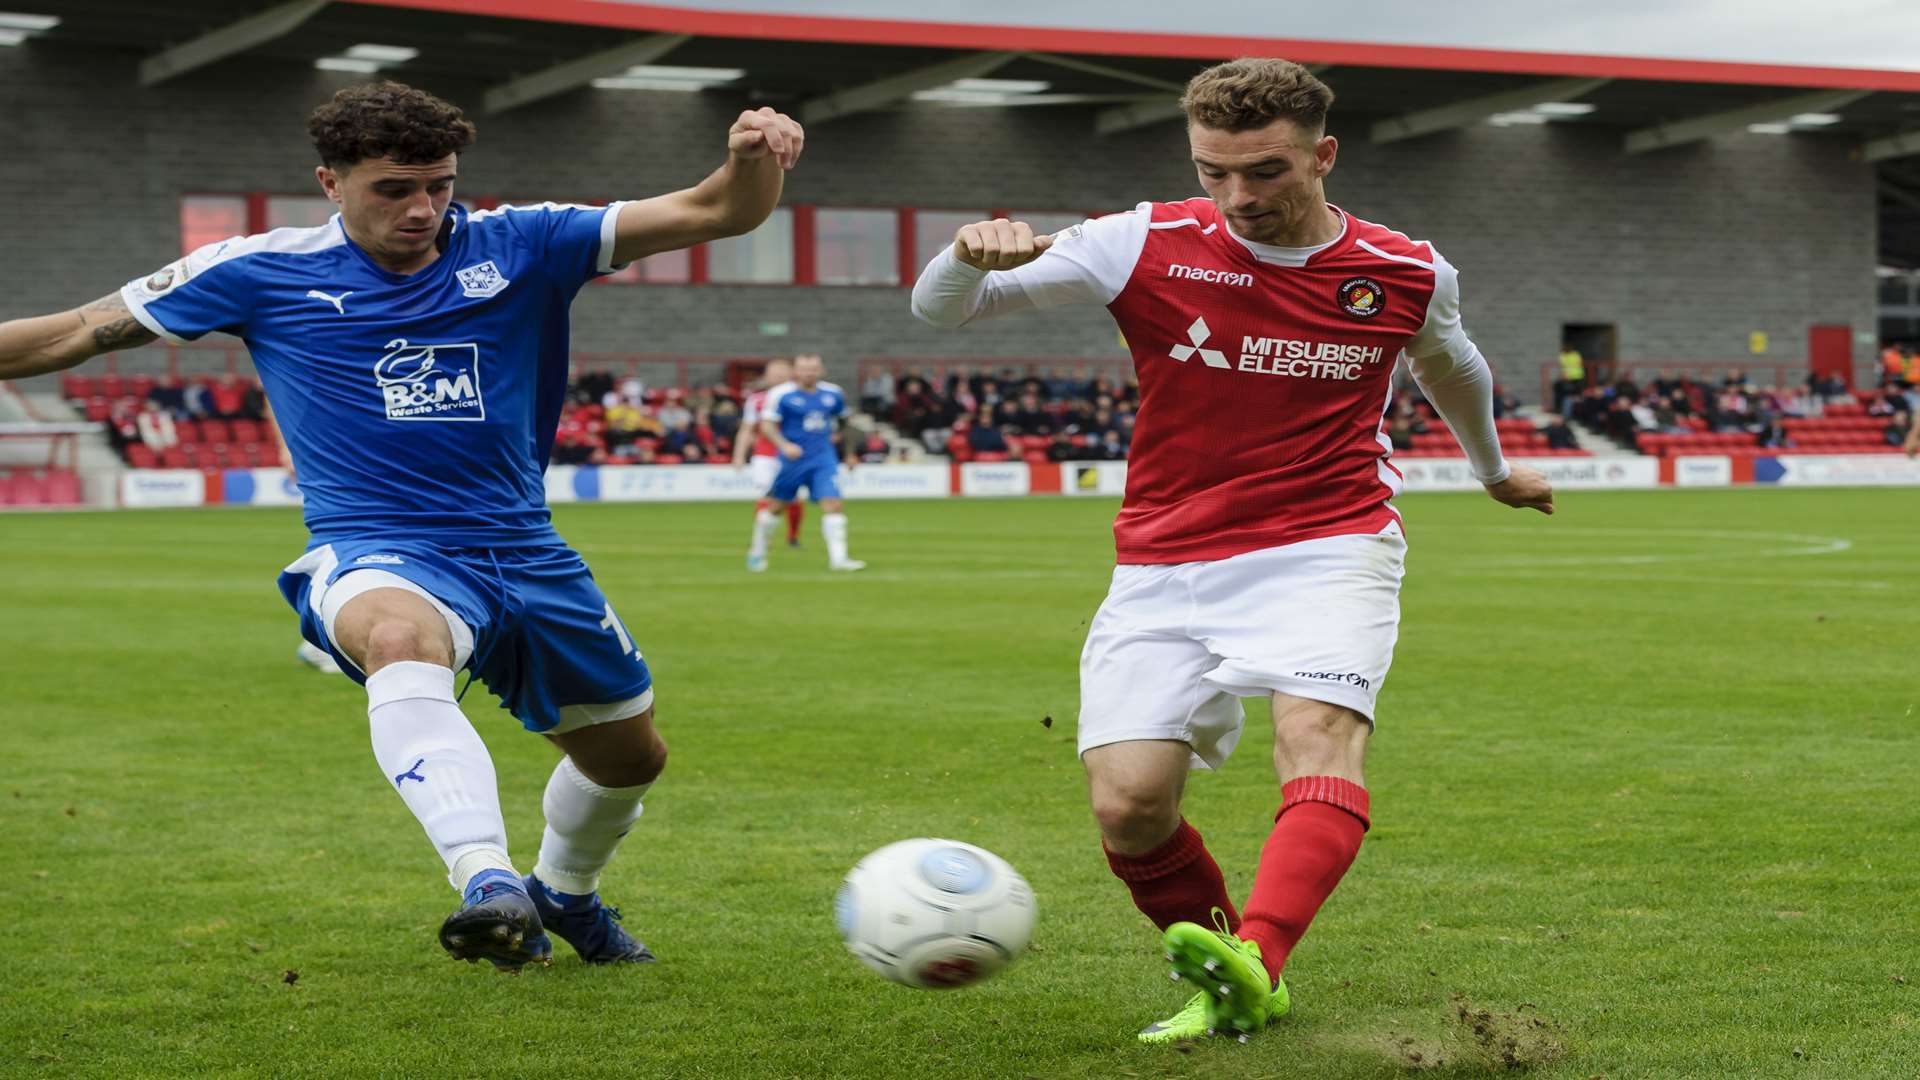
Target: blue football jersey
{"type": "Point", "coordinates": [419, 405]}
{"type": "Point", "coordinates": [806, 416]}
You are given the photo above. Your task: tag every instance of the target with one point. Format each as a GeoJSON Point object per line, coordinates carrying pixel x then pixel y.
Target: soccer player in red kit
{"type": "Point", "coordinates": [1260, 554]}
{"type": "Point", "coordinates": [766, 456]}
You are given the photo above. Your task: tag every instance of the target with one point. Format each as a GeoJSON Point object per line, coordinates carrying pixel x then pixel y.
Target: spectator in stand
{"type": "Point", "coordinates": [168, 394]}
{"type": "Point", "coordinates": [1573, 378]}
{"type": "Point", "coordinates": [724, 421]}
{"type": "Point", "coordinates": [1772, 433]}
{"type": "Point", "coordinates": [915, 406]}
{"type": "Point", "coordinates": [680, 433]}
{"type": "Point", "coordinates": [1895, 433]}
{"type": "Point", "coordinates": [1893, 364]}
{"type": "Point", "coordinates": [983, 437]}
{"type": "Point", "coordinates": [1504, 402]}
{"type": "Point", "coordinates": [199, 400]}
{"type": "Point", "coordinates": [254, 404]}
{"type": "Point", "coordinates": [1559, 435]}
{"type": "Point", "coordinates": [1029, 417]}
{"type": "Point", "coordinates": [1400, 431]}
{"type": "Point", "coordinates": [228, 398]}
{"type": "Point", "coordinates": [1620, 425]}
{"type": "Point", "coordinates": [156, 429]}
{"type": "Point", "coordinates": [592, 388]}
{"type": "Point", "coordinates": [626, 421]}
{"type": "Point", "coordinates": [1644, 418]}
{"type": "Point", "coordinates": [876, 391]}
{"type": "Point", "coordinates": [1732, 410]}
{"type": "Point", "coordinates": [874, 449]}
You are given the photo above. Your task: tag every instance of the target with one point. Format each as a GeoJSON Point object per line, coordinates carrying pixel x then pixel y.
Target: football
{"type": "Point", "coordinates": [935, 914]}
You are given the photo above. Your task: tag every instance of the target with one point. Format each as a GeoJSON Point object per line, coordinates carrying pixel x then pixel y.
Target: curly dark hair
{"type": "Point", "coordinates": [1244, 94]}
{"type": "Point", "coordinates": [387, 119]}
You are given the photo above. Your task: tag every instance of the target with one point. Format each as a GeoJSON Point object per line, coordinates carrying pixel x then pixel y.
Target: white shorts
{"type": "Point", "coordinates": [1175, 647]}
{"type": "Point", "coordinates": [763, 468]}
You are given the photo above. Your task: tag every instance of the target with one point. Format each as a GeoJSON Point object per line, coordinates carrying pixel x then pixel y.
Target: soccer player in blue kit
{"type": "Point", "coordinates": [416, 358]}
{"type": "Point", "coordinates": [799, 417]}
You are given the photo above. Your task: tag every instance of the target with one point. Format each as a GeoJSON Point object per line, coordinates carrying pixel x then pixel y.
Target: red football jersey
{"type": "Point", "coordinates": [1263, 385]}
{"type": "Point", "coordinates": [751, 414]}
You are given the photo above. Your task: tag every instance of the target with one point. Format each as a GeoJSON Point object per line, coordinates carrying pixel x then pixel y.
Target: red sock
{"type": "Point", "coordinates": [1175, 882]}
{"type": "Point", "coordinates": [794, 512]}
{"type": "Point", "coordinates": [1315, 836]}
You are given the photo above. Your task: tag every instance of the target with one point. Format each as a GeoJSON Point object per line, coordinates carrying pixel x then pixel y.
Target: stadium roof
{"type": "Point", "coordinates": [1120, 61]}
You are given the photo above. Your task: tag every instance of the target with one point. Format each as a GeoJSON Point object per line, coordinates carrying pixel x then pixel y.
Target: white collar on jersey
{"type": "Point", "coordinates": [1292, 256]}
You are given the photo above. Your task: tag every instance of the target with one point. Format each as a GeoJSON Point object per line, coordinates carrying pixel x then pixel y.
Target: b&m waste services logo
{"type": "Point", "coordinates": [430, 382]}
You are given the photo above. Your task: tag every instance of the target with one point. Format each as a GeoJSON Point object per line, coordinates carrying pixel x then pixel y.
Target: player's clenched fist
{"type": "Point", "coordinates": [762, 132]}
{"type": "Point", "coordinates": [998, 244]}
{"type": "Point", "coordinates": [1525, 489]}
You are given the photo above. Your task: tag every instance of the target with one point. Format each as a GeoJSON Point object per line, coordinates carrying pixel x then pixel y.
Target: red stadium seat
{"type": "Point", "coordinates": [214, 431]}
{"type": "Point", "coordinates": [993, 455]}
{"type": "Point", "coordinates": [248, 431]}
{"type": "Point", "coordinates": [173, 458]}
{"type": "Point", "coordinates": [140, 456]}
{"type": "Point", "coordinates": [112, 386]}
{"type": "Point", "coordinates": [76, 387]}
{"type": "Point", "coordinates": [668, 459]}
{"type": "Point", "coordinates": [99, 409]}
{"type": "Point", "coordinates": [140, 385]}
{"type": "Point", "coordinates": [188, 430]}
{"type": "Point", "coordinates": [61, 488]}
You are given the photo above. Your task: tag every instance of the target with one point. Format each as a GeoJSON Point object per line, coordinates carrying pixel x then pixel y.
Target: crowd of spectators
{"type": "Point", "coordinates": [154, 419]}
{"type": "Point", "coordinates": [1055, 415]}
{"type": "Point", "coordinates": [609, 420]}
{"type": "Point", "coordinates": [1624, 410]}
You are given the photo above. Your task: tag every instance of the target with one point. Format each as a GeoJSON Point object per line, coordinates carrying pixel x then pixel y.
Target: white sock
{"type": "Point", "coordinates": [834, 528]}
{"type": "Point", "coordinates": [585, 823]}
{"type": "Point", "coordinates": [430, 754]}
{"type": "Point", "coordinates": [763, 523]}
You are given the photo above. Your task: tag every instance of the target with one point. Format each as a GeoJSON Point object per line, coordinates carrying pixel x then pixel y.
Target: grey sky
{"type": "Point", "coordinates": [1831, 33]}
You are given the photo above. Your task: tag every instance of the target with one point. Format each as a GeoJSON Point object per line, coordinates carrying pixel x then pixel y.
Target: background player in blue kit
{"type": "Point", "coordinates": [800, 417]}
{"type": "Point", "coordinates": [416, 359]}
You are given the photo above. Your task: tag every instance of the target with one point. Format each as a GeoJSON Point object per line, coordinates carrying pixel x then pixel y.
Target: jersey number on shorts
{"type": "Point", "coordinates": [612, 622]}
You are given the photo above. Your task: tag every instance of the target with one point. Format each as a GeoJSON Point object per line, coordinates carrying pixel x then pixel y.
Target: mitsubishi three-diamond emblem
{"type": "Point", "coordinates": [1198, 334]}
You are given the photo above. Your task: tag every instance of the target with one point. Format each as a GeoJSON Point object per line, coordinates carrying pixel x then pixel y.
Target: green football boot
{"type": "Point", "coordinates": [1190, 1022]}
{"type": "Point", "coordinates": [1236, 993]}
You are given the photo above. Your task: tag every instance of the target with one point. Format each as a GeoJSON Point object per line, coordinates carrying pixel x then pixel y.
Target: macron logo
{"type": "Point", "coordinates": [1201, 273]}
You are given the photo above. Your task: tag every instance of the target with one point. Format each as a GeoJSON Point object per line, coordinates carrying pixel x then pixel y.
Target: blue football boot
{"type": "Point", "coordinates": [592, 928]}
{"type": "Point", "coordinates": [497, 921]}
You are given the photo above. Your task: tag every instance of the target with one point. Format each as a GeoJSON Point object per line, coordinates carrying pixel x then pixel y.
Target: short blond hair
{"type": "Point", "coordinates": [1249, 93]}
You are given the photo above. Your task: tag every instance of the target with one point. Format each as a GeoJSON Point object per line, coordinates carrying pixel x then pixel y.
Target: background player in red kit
{"type": "Point", "coordinates": [766, 456]}
{"type": "Point", "coordinates": [1259, 552]}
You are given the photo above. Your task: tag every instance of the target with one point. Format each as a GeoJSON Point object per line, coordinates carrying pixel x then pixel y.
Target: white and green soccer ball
{"type": "Point", "coordinates": [935, 914]}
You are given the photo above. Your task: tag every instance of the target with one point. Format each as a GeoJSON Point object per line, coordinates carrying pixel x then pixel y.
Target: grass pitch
{"type": "Point", "coordinates": [1644, 788]}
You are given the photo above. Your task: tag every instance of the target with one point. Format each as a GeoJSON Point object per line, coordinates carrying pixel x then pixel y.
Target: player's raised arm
{"type": "Point", "coordinates": [44, 343]}
{"type": "Point", "coordinates": [761, 146]}
{"type": "Point", "coordinates": [995, 267]}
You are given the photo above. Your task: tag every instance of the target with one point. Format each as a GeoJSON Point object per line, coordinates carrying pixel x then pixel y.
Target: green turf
{"type": "Point", "coordinates": [1645, 774]}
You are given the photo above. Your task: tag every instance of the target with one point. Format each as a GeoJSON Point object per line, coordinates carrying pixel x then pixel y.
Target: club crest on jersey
{"type": "Point", "coordinates": [1362, 297]}
{"type": "Point", "coordinates": [430, 382]}
{"type": "Point", "coordinates": [481, 279]}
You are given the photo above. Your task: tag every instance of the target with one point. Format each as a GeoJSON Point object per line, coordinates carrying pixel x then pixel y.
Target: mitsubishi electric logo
{"type": "Point", "coordinates": [1198, 334]}
{"type": "Point", "coordinates": [1295, 358]}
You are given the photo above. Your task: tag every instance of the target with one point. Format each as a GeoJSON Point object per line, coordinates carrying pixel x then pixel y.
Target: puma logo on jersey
{"type": "Point", "coordinates": [339, 302]}
{"type": "Point", "coordinates": [1201, 273]}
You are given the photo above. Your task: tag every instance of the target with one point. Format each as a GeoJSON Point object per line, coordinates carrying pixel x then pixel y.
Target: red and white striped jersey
{"type": "Point", "coordinates": [751, 414]}
{"type": "Point", "coordinates": [1264, 372]}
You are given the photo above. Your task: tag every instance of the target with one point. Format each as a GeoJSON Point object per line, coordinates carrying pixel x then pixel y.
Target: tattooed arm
{"type": "Point", "coordinates": [46, 343]}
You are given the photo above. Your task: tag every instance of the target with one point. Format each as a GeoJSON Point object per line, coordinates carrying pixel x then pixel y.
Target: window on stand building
{"type": "Point", "coordinates": [857, 247]}
{"type": "Point", "coordinates": [762, 257]}
{"type": "Point", "coordinates": [209, 219]}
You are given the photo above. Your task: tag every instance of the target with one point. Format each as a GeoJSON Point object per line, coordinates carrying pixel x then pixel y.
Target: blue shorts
{"type": "Point", "coordinates": [819, 475]}
{"type": "Point", "coordinates": [537, 630]}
